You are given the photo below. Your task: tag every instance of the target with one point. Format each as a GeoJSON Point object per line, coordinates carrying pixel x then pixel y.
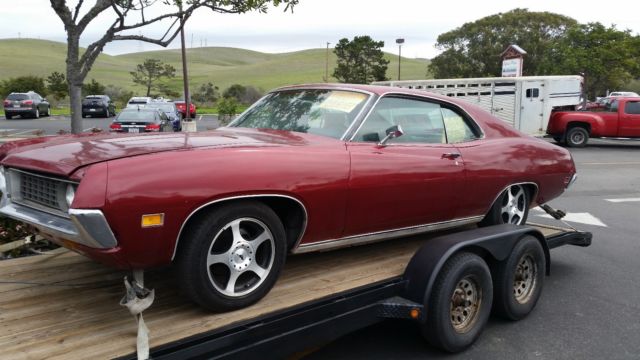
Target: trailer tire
{"type": "Point", "coordinates": [232, 256]}
{"type": "Point", "coordinates": [459, 305]}
{"type": "Point", "coordinates": [519, 279]}
{"type": "Point", "coordinates": [577, 136]}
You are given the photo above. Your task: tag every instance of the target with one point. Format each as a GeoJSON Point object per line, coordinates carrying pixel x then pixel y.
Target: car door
{"type": "Point", "coordinates": [629, 122]}
{"type": "Point", "coordinates": [410, 181]}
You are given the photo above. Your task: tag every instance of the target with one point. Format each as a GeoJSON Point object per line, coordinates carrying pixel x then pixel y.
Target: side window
{"type": "Point", "coordinates": [457, 129]}
{"type": "Point", "coordinates": [532, 93]}
{"type": "Point", "coordinates": [613, 106]}
{"type": "Point", "coordinates": [632, 107]}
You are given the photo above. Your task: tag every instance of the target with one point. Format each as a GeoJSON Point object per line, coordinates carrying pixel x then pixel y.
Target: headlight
{"type": "Point", "coordinates": [70, 194]}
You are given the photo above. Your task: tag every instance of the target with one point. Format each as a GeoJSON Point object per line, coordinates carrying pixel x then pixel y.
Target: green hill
{"type": "Point", "coordinates": [220, 65]}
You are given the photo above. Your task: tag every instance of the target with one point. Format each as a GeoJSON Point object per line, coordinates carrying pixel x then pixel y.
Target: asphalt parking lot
{"type": "Point", "coordinates": [590, 306]}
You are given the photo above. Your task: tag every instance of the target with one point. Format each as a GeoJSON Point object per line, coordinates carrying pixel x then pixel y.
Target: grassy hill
{"type": "Point", "coordinates": [220, 65]}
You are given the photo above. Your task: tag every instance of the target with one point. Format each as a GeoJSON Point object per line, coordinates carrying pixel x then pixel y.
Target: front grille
{"type": "Point", "coordinates": [40, 190]}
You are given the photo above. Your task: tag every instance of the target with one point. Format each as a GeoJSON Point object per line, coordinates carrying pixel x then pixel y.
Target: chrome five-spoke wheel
{"type": "Point", "coordinates": [231, 256]}
{"type": "Point", "coordinates": [514, 205]}
{"type": "Point", "coordinates": [240, 256]}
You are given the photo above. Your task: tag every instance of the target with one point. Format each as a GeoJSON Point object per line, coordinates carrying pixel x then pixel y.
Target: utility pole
{"type": "Point", "coordinates": [399, 42]}
{"type": "Point", "coordinates": [326, 65]}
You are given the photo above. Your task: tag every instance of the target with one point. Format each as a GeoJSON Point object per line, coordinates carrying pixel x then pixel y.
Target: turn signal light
{"type": "Point", "coordinates": [414, 313]}
{"type": "Point", "coordinates": [151, 220]}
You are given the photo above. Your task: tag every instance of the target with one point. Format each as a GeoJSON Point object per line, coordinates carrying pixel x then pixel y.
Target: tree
{"type": "Point", "coordinates": [93, 88]}
{"type": "Point", "coordinates": [360, 61]}
{"type": "Point", "coordinates": [24, 84]}
{"type": "Point", "coordinates": [608, 58]}
{"type": "Point", "coordinates": [125, 19]}
{"type": "Point", "coordinates": [235, 91]}
{"type": "Point", "coordinates": [149, 72]}
{"type": "Point", "coordinates": [227, 109]}
{"type": "Point", "coordinates": [206, 93]}
{"type": "Point", "coordinates": [57, 85]}
{"type": "Point", "coordinates": [473, 50]}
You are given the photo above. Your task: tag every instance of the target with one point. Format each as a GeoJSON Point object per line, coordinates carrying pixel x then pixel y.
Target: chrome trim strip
{"type": "Point", "coordinates": [382, 235]}
{"type": "Point", "coordinates": [304, 209]}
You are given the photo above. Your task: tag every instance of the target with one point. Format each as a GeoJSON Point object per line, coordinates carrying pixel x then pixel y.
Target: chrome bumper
{"type": "Point", "coordinates": [85, 227]}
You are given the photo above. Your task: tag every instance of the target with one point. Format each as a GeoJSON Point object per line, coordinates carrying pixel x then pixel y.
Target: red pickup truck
{"type": "Point", "coordinates": [620, 119]}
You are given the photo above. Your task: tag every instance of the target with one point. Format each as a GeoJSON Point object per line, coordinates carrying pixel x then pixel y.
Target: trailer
{"type": "Point", "coordinates": [62, 305]}
{"type": "Point", "coordinates": [524, 102]}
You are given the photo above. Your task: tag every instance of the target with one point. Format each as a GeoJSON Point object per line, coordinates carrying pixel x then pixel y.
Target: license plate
{"type": "Point", "coordinates": [92, 109]}
{"type": "Point", "coordinates": [134, 130]}
{"type": "Point", "coordinates": [16, 105]}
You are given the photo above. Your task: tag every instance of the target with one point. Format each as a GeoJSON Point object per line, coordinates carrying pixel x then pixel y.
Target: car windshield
{"type": "Point", "coordinates": [136, 115]}
{"type": "Point", "coordinates": [17, 97]}
{"type": "Point", "coordinates": [315, 111]}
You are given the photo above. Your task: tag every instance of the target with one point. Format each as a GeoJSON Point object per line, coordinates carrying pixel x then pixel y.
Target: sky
{"type": "Point", "coordinates": [313, 23]}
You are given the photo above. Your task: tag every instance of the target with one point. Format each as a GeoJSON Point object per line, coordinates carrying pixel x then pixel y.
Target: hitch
{"type": "Point", "coordinates": [556, 214]}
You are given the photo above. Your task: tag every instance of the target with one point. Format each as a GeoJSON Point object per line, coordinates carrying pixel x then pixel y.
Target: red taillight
{"type": "Point", "coordinates": [27, 102]}
{"type": "Point", "coordinates": [115, 127]}
{"type": "Point", "coordinates": [192, 107]}
{"type": "Point", "coordinates": [152, 127]}
{"type": "Point", "coordinates": [7, 103]}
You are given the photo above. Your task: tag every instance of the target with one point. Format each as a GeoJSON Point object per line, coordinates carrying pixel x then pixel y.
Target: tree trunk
{"type": "Point", "coordinates": [75, 82]}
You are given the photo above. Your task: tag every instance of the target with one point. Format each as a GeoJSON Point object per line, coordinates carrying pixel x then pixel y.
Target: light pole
{"type": "Point", "coordinates": [326, 65]}
{"type": "Point", "coordinates": [399, 41]}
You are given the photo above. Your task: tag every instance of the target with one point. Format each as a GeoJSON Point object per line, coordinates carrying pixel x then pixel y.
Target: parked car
{"type": "Point", "coordinates": [182, 108]}
{"type": "Point", "coordinates": [169, 109]}
{"type": "Point", "coordinates": [620, 118]}
{"type": "Point", "coordinates": [140, 120]}
{"type": "Point", "coordinates": [307, 168]}
{"type": "Point", "coordinates": [138, 101]}
{"type": "Point", "coordinates": [98, 105]}
{"type": "Point", "coordinates": [26, 104]}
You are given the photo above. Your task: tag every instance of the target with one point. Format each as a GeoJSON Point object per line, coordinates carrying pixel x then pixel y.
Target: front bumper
{"type": "Point", "coordinates": [87, 227]}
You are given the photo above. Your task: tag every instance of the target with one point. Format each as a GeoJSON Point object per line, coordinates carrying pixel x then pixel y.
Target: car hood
{"type": "Point", "coordinates": [63, 155]}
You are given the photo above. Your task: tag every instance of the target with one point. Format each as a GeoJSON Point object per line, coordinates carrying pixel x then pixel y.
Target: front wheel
{"type": "Point", "coordinates": [232, 256]}
{"type": "Point", "coordinates": [511, 207]}
{"type": "Point", "coordinates": [577, 136]}
{"type": "Point", "coordinates": [36, 114]}
{"type": "Point", "coordinates": [460, 304]}
{"type": "Point", "coordinates": [519, 279]}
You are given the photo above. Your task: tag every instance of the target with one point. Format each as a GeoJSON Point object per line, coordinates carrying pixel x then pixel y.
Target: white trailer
{"type": "Point", "coordinates": [524, 102]}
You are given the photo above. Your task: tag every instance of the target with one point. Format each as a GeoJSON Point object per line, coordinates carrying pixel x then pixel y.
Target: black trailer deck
{"type": "Point", "coordinates": [64, 306]}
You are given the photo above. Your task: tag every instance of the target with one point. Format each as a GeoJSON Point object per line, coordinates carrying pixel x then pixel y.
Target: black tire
{"type": "Point", "coordinates": [577, 136]}
{"type": "Point", "coordinates": [212, 235]}
{"type": "Point", "coordinates": [36, 114]}
{"type": "Point", "coordinates": [559, 139]}
{"type": "Point", "coordinates": [8, 116]}
{"type": "Point", "coordinates": [452, 323]}
{"type": "Point", "coordinates": [499, 212]}
{"type": "Point", "coordinates": [519, 279]}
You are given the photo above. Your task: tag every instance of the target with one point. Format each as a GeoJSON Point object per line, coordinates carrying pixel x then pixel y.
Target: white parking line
{"type": "Point", "coordinates": [582, 218]}
{"type": "Point", "coordinates": [623, 200]}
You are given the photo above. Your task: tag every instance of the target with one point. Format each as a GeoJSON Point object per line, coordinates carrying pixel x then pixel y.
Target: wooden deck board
{"type": "Point", "coordinates": [61, 322]}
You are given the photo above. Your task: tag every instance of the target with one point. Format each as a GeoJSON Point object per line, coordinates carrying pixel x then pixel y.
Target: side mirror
{"type": "Point", "coordinates": [392, 133]}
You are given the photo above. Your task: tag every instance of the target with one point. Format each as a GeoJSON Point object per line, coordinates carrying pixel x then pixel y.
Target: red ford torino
{"type": "Point", "coordinates": [306, 168]}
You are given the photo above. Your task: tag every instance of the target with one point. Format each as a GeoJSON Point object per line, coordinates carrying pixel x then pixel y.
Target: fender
{"type": "Point", "coordinates": [496, 241]}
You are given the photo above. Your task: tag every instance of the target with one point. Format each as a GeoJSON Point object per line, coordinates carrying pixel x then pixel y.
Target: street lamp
{"type": "Point", "coordinates": [399, 41]}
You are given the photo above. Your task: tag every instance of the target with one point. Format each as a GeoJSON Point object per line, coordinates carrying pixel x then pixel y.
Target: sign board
{"type": "Point", "coordinates": [512, 67]}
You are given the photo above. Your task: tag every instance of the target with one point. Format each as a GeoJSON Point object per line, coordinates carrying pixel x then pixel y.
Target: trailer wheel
{"type": "Point", "coordinates": [519, 279]}
{"type": "Point", "coordinates": [577, 136]}
{"type": "Point", "coordinates": [459, 306]}
{"type": "Point", "coordinates": [232, 256]}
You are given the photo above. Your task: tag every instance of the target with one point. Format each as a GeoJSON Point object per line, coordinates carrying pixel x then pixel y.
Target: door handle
{"type": "Point", "coordinates": [450, 156]}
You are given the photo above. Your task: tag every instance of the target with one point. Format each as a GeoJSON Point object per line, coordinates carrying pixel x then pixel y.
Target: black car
{"type": "Point", "coordinates": [139, 120]}
{"type": "Point", "coordinates": [29, 104]}
{"type": "Point", "coordinates": [98, 105]}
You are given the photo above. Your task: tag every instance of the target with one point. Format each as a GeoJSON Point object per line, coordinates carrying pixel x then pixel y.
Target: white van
{"type": "Point", "coordinates": [138, 101]}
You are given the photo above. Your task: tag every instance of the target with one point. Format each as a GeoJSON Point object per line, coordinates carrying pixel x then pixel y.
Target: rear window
{"type": "Point", "coordinates": [163, 107]}
{"type": "Point", "coordinates": [18, 97]}
{"type": "Point", "coordinates": [148, 116]}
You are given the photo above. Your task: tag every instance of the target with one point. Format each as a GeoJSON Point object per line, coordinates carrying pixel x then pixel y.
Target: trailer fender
{"type": "Point", "coordinates": [496, 242]}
